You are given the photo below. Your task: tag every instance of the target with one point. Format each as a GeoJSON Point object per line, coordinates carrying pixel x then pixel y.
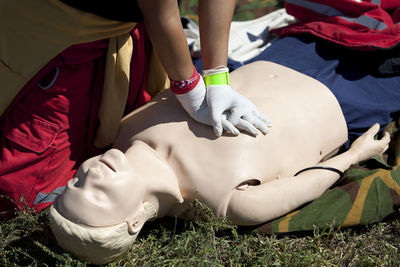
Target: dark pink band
{"type": "Point", "coordinates": [182, 87]}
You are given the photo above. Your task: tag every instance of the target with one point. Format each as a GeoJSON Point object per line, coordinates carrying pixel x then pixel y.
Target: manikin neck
{"type": "Point", "coordinates": [161, 184]}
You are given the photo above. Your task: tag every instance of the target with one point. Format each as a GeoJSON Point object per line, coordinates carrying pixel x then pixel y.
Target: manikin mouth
{"type": "Point", "coordinates": [108, 164]}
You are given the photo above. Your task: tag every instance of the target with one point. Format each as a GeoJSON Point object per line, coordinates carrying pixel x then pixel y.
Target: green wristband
{"type": "Point", "coordinates": [217, 79]}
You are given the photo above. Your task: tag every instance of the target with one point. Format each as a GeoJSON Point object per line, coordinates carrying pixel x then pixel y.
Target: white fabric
{"type": "Point", "coordinates": [195, 104]}
{"type": "Point", "coordinates": [247, 39]}
{"type": "Point", "coordinates": [231, 110]}
{"type": "Point", "coordinates": [217, 70]}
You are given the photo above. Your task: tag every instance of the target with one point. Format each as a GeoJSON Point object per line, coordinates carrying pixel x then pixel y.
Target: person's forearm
{"type": "Point", "coordinates": [215, 17]}
{"type": "Point", "coordinates": [163, 24]}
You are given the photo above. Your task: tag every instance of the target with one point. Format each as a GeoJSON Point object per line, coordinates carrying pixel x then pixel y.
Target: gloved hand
{"type": "Point", "coordinates": [218, 106]}
{"type": "Point", "coordinates": [224, 102]}
{"type": "Point", "coordinates": [191, 94]}
{"type": "Point", "coordinates": [195, 103]}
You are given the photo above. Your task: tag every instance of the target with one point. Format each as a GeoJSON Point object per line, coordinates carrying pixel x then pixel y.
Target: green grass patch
{"type": "Point", "coordinates": [205, 240]}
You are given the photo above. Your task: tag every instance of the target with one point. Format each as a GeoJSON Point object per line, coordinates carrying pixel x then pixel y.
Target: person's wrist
{"type": "Point", "coordinates": [217, 79]}
{"type": "Point", "coordinates": [216, 76]}
{"type": "Point", "coordinates": [185, 86]}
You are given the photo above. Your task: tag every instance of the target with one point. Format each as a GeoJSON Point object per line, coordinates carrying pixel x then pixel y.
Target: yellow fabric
{"type": "Point", "coordinates": [115, 88]}
{"type": "Point", "coordinates": [157, 79]}
{"type": "Point", "coordinates": [284, 224]}
{"type": "Point", "coordinates": [354, 215]}
{"type": "Point", "coordinates": [34, 32]}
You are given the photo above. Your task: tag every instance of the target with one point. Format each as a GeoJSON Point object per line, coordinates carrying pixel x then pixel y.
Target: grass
{"type": "Point", "coordinates": [26, 240]}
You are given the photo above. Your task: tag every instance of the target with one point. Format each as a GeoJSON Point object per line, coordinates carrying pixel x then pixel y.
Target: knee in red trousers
{"type": "Point", "coordinates": [47, 130]}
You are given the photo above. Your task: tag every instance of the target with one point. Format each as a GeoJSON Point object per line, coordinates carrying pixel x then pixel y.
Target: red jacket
{"type": "Point", "coordinates": [362, 25]}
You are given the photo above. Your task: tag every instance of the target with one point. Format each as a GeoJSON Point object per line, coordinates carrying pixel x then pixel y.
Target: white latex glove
{"type": "Point", "coordinates": [240, 112]}
{"type": "Point", "coordinates": [195, 103]}
{"type": "Point", "coordinates": [223, 108]}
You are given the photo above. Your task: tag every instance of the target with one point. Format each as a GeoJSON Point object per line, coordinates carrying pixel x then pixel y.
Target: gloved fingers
{"type": "Point", "coordinates": [262, 117]}
{"type": "Point", "coordinates": [247, 126]}
{"type": "Point", "coordinates": [236, 114]}
{"type": "Point", "coordinates": [259, 124]}
{"type": "Point", "coordinates": [216, 118]}
{"type": "Point", "coordinates": [224, 115]}
{"type": "Point", "coordinates": [217, 126]}
{"type": "Point", "coordinates": [247, 121]}
{"type": "Point", "coordinates": [228, 126]}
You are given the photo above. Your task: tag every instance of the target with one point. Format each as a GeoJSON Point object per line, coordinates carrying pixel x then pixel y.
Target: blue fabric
{"type": "Point", "coordinates": [364, 97]}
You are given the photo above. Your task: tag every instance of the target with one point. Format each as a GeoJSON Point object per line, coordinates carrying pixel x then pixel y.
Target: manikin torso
{"type": "Point", "coordinates": [307, 127]}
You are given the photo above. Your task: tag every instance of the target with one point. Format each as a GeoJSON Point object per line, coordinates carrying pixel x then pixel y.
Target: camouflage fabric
{"type": "Point", "coordinates": [366, 194]}
{"type": "Point", "coordinates": [245, 9]}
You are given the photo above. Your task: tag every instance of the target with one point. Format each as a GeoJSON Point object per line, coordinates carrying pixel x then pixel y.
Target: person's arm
{"type": "Point", "coordinates": [258, 204]}
{"type": "Point", "coordinates": [162, 20]}
{"type": "Point", "coordinates": [215, 17]}
{"type": "Point", "coordinates": [163, 24]}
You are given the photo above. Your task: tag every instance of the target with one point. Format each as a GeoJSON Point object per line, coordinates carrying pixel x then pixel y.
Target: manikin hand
{"type": "Point", "coordinates": [366, 146]}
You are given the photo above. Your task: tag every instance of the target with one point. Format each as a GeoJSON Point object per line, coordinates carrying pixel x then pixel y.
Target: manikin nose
{"type": "Point", "coordinates": [113, 153]}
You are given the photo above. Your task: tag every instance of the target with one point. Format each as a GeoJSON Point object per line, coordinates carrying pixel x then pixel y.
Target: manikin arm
{"type": "Point", "coordinates": [258, 204]}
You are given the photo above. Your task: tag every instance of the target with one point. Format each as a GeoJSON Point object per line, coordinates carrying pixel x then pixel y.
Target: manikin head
{"type": "Point", "coordinates": [106, 204]}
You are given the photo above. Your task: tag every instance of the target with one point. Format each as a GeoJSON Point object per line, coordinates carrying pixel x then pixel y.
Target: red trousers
{"type": "Point", "coordinates": [49, 128]}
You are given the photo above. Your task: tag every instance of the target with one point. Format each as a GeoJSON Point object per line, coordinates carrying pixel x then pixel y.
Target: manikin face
{"type": "Point", "coordinates": [105, 191]}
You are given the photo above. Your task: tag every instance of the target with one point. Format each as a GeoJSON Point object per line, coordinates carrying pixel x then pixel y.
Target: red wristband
{"type": "Point", "coordinates": [182, 87]}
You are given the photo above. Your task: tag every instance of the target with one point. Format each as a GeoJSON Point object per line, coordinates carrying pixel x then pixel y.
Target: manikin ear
{"type": "Point", "coordinates": [136, 221]}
